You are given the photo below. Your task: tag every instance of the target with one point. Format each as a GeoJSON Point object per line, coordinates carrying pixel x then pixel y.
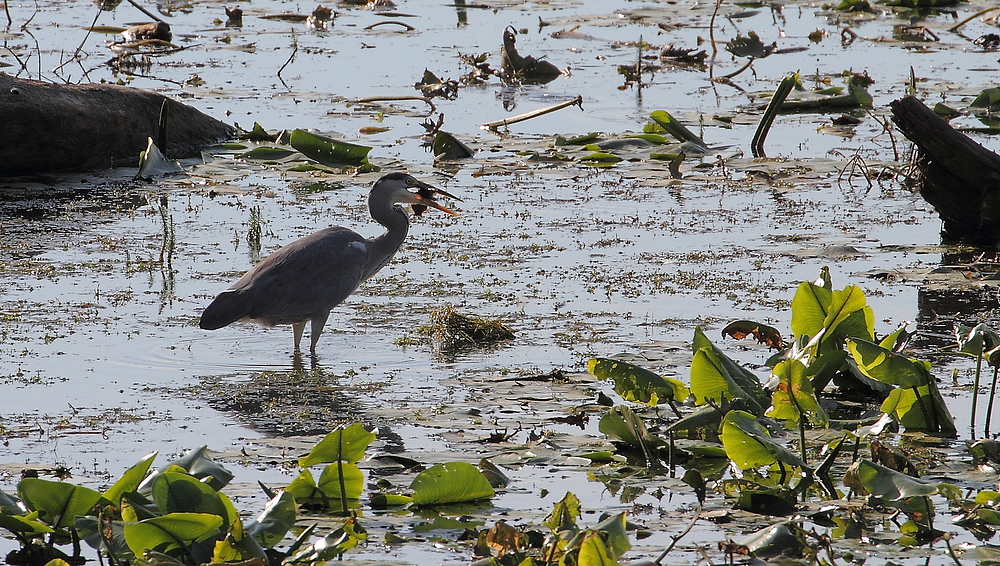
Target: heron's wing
{"type": "Point", "coordinates": [309, 276]}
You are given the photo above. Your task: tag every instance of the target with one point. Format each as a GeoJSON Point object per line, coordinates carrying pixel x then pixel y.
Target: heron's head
{"type": "Point", "coordinates": [401, 188]}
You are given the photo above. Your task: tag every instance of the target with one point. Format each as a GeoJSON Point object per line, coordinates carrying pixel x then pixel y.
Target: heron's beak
{"type": "Point", "coordinates": [425, 199]}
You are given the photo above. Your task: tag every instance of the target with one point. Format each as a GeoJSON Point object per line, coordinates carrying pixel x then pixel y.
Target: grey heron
{"type": "Point", "coordinates": [303, 281]}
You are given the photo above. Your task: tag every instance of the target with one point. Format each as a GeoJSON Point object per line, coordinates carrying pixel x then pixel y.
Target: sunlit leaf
{"type": "Point", "coordinates": [353, 481]}
{"type": "Point", "coordinates": [623, 424]}
{"type": "Point", "coordinates": [749, 445]}
{"type": "Point", "coordinates": [175, 492]}
{"type": "Point", "coordinates": [793, 396]}
{"type": "Point", "coordinates": [57, 503]}
{"type": "Point", "coordinates": [714, 376]}
{"type": "Point", "coordinates": [887, 366]}
{"type": "Point", "coordinates": [388, 500]}
{"type": "Point", "coordinates": [594, 552]}
{"type": "Point", "coordinates": [615, 535]}
{"type": "Point", "coordinates": [638, 384]}
{"type": "Point", "coordinates": [198, 464]}
{"type": "Point", "coordinates": [171, 531]}
{"type": "Point", "coordinates": [131, 479]}
{"type": "Point", "coordinates": [920, 408]}
{"type": "Point", "coordinates": [452, 482]}
{"type": "Point", "coordinates": [564, 514]}
{"type": "Point", "coordinates": [328, 151]}
{"type": "Point", "coordinates": [865, 476]}
{"type": "Point", "coordinates": [303, 487]}
{"type": "Point", "coordinates": [24, 524]}
{"type": "Point", "coordinates": [675, 128]}
{"type": "Point", "coordinates": [153, 164]}
{"type": "Point", "coordinates": [346, 444]}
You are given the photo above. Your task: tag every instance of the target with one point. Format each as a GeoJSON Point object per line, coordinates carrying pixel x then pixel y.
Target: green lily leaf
{"type": "Point", "coordinates": [887, 366]}
{"type": "Point", "coordinates": [578, 140]}
{"type": "Point", "coordinates": [131, 480]}
{"type": "Point", "coordinates": [452, 482]}
{"type": "Point", "coordinates": [274, 521]}
{"type": "Point", "coordinates": [353, 481]}
{"type": "Point", "coordinates": [976, 341]}
{"type": "Point", "coordinates": [675, 128]}
{"type": "Point", "coordinates": [564, 514]}
{"type": "Point", "coordinates": [170, 532]}
{"type": "Point", "coordinates": [328, 151]}
{"type": "Point", "coordinates": [638, 384]}
{"type": "Point", "coordinates": [839, 314]}
{"type": "Point", "coordinates": [794, 397]}
{"type": "Point", "coordinates": [24, 524]}
{"type": "Point", "coordinates": [778, 539]}
{"type": "Point", "coordinates": [303, 487]}
{"type": "Point", "coordinates": [623, 424]}
{"type": "Point", "coordinates": [594, 552]}
{"type": "Point", "coordinates": [8, 504]}
{"type": "Point", "coordinates": [266, 153]}
{"type": "Point", "coordinates": [57, 503]}
{"type": "Point", "coordinates": [987, 98]}
{"type": "Point", "coordinates": [388, 500]}
{"type": "Point", "coordinates": [865, 476]}
{"type": "Point", "coordinates": [920, 408]}
{"type": "Point", "coordinates": [615, 535]}
{"type": "Point", "coordinates": [447, 146]}
{"type": "Point", "coordinates": [343, 444]}
{"type": "Point", "coordinates": [749, 445]}
{"type": "Point", "coordinates": [176, 492]}
{"type": "Point", "coordinates": [198, 464]}
{"type": "Point", "coordinates": [716, 377]}
{"type": "Point", "coordinates": [600, 158]}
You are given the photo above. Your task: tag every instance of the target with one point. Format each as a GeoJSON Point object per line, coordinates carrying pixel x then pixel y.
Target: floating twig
{"type": "Point", "coordinates": [405, 25]}
{"type": "Point", "coordinates": [972, 17]}
{"type": "Point", "coordinates": [367, 99]}
{"type": "Point", "coordinates": [495, 124]}
{"type": "Point", "coordinates": [295, 49]}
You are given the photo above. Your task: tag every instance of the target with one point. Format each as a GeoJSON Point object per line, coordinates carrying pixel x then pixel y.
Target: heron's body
{"type": "Point", "coordinates": [303, 281]}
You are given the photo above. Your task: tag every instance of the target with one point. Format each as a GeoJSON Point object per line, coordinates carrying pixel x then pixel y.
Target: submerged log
{"type": "Point", "coordinates": [53, 127]}
{"type": "Point", "coordinates": [960, 178]}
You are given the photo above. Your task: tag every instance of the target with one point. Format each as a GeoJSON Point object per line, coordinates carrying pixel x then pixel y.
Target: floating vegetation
{"type": "Point", "coordinates": [451, 330]}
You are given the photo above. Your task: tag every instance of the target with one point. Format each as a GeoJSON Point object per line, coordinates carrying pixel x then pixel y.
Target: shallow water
{"type": "Point", "coordinates": [100, 357]}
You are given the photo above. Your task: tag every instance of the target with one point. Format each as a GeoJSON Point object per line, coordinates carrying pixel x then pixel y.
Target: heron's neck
{"type": "Point", "coordinates": [382, 248]}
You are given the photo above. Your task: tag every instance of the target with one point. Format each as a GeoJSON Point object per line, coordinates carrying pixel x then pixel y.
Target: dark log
{"type": "Point", "coordinates": [53, 127]}
{"type": "Point", "coordinates": [960, 178]}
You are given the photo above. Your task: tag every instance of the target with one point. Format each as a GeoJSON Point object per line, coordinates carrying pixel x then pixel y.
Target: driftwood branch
{"type": "Point", "coordinates": [960, 178]}
{"type": "Point", "coordinates": [495, 124]}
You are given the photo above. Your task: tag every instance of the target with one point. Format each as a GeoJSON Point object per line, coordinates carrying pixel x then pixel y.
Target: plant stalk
{"type": "Point", "coordinates": [975, 393]}
{"type": "Point", "coordinates": [989, 406]}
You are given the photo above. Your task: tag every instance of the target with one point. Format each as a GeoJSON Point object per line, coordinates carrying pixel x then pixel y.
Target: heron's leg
{"type": "Point", "coordinates": [318, 322]}
{"type": "Point", "coordinates": [297, 329]}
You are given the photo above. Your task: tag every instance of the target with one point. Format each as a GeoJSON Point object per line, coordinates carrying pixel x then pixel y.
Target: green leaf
{"type": "Point", "coordinates": [564, 514]}
{"type": "Point", "coordinates": [623, 424]}
{"type": "Point", "coordinates": [452, 482]}
{"type": "Point", "coordinates": [578, 140]}
{"type": "Point", "coordinates": [387, 500]}
{"type": "Point", "coordinates": [57, 503]}
{"type": "Point", "coordinates": [638, 384]}
{"type": "Point", "coordinates": [447, 146]}
{"type": "Point", "coordinates": [24, 524]}
{"type": "Point", "coordinates": [593, 552]}
{"type": "Point", "coordinates": [354, 481]}
{"type": "Point", "coordinates": [675, 128]}
{"type": "Point", "coordinates": [198, 464]}
{"type": "Point", "coordinates": [794, 397]}
{"type": "Point", "coordinates": [887, 366]}
{"type": "Point", "coordinates": [346, 444]}
{"type": "Point", "coordinates": [865, 476]}
{"type": "Point", "coordinates": [715, 377]}
{"type": "Point", "coordinates": [600, 157]}
{"type": "Point", "coordinates": [130, 481]}
{"type": "Point", "coordinates": [170, 532]}
{"type": "Point", "coordinates": [987, 98]}
{"type": "Point", "coordinates": [328, 151]}
{"type": "Point", "coordinates": [920, 408]}
{"type": "Point", "coordinates": [266, 153]}
{"type": "Point", "coordinates": [749, 445]}
{"type": "Point", "coordinates": [615, 535]}
{"type": "Point", "coordinates": [177, 492]}
{"type": "Point", "coordinates": [303, 487]}
{"type": "Point", "coordinates": [274, 521]}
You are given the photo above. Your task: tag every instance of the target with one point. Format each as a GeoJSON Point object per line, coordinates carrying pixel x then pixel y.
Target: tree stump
{"type": "Point", "coordinates": [53, 127]}
{"type": "Point", "coordinates": [960, 178]}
